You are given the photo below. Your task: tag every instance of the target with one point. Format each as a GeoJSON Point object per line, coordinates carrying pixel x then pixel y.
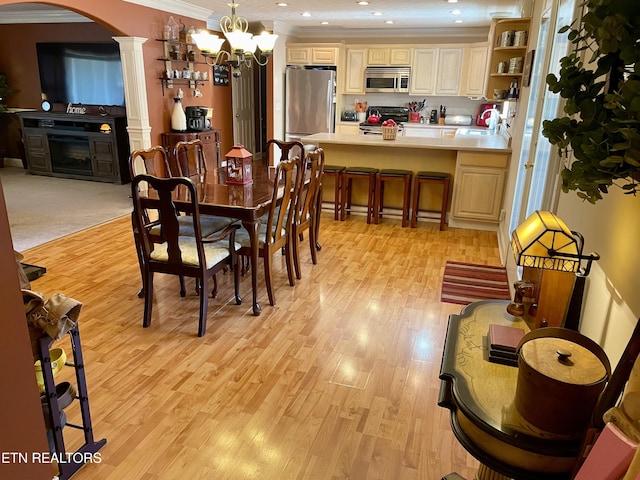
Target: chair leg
{"type": "Point", "coordinates": [414, 208]}
{"type": "Point", "coordinates": [290, 261]}
{"type": "Point", "coordinates": [406, 199]}
{"type": "Point", "coordinates": [267, 278]}
{"type": "Point", "coordinates": [378, 199]}
{"type": "Point", "coordinates": [313, 241]}
{"type": "Point", "coordinates": [214, 290]}
{"type": "Point", "coordinates": [445, 199]}
{"type": "Point", "coordinates": [236, 278]}
{"type": "Point", "coordinates": [296, 252]}
{"type": "Point", "coordinates": [148, 299]}
{"type": "Point", "coordinates": [371, 198]}
{"type": "Point", "coordinates": [183, 290]}
{"type": "Point", "coordinates": [204, 302]}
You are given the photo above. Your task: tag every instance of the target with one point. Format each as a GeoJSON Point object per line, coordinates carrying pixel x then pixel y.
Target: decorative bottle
{"type": "Point", "coordinates": [178, 117]}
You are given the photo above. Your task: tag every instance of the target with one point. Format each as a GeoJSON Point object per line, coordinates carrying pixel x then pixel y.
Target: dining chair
{"type": "Point", "coordinates": [183, 255]}
{"type": "Point", "coordinates": [276, 232]}
{"type": "Point", "coordinates": [306, 217]}
{"type": "Point", "coordinates": [287, 149]}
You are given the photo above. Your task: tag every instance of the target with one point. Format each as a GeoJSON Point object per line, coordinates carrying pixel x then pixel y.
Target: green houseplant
{"type": "Point", "coordinates": [602, 91]}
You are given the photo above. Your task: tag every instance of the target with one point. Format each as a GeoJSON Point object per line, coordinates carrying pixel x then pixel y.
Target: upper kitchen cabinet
{"type": "Point", "coordinates": [474, 70]}
{"type": "Point", "coordinates": [355, 63]}
{"type": "Point", "coordinates": [389, 56]}
{"type": "Point", "coordinates": [449, 71]}
{"type": "Point", "coordinates": [508, 49]}
{"type": "Point", "coordinates": [312, 54]}
{"type": "Point", "coordinates": [423, 71]}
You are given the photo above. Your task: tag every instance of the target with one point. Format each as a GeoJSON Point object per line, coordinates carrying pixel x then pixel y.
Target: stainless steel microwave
{"type": "Point", "coordinates": [387, 79]}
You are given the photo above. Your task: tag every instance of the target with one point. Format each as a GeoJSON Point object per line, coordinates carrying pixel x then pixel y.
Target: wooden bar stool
{"type": "Point", "coordinates": [393, 175]}
{"type": "Point", "coordinates": [359, 173]}
{"type": "Point", "coordinates": [438, 178]}
{"type": "Point", "coordinates": [335, 171]}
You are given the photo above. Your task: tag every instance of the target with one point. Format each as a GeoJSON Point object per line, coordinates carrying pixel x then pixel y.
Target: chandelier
{"type": "Point", "coordinates": [243, 44]}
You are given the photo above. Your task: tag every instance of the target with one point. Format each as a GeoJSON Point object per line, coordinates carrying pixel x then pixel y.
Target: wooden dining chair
{"type": "Point", "coordinates": [306, 216]}
{"type": "Point", "coordinates": [186, 256]}
{"type": "Point", "coordinates": [287, 150]}
{"type": "Point", "coordinates": [276, 232]}
{"type": "Point", "coordinates": [190, 158]}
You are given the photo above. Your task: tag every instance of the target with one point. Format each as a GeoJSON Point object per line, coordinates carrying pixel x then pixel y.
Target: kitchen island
{"type": "Point", "coordinates": [477, 162]}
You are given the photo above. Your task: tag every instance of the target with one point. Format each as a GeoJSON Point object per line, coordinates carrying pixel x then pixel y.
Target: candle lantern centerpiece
{"type": "Point", "coordinates": [239, 166]}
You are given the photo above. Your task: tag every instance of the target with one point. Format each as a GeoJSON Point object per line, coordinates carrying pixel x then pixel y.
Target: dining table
{"type": "Point", "coordinates": [241, 202]}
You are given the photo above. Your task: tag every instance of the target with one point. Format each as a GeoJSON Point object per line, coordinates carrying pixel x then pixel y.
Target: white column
{"type": "Point", "coordinates": [135, 91]}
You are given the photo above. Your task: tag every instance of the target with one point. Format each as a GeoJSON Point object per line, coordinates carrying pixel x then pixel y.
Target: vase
{"type": "Point", "coordinates": [178, 117]}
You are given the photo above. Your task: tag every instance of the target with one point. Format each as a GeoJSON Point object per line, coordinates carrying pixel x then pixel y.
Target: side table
{"type": "Point", "coordinates": [480, 395]}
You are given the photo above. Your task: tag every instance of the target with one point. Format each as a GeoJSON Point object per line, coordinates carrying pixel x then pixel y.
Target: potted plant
{"type": "Point", "coordinates": [602, 111]}
{"type": "Point", "coordinates": [4, 91]}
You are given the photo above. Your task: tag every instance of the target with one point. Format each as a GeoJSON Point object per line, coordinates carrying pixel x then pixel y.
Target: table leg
{"type": "Point", "coordinates": [253, 227]}
{"type": "Point", "coordinates": [485, 473]}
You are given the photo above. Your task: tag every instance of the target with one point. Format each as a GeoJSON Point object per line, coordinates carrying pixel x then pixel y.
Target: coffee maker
{"type": "Point", "coordinates": [197, 120]}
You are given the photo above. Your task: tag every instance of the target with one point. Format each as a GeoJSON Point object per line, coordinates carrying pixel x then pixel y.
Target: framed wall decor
{"type": "Point", "coordinates": [528, 65]}
{"type": "Point", "coordinates": [221, 75]}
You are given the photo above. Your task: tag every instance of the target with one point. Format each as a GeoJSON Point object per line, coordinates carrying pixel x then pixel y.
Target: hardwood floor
{"type": "Point", "coordinates": [338, 380]}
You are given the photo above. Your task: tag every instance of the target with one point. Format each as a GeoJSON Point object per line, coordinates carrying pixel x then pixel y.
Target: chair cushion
{"type": "Point", "coordinates": [391, 172]}
{"type": "Point", "coordinates": [209, 224]}
{"type": "Point", "coordinates": [440, 175]}
{"type": "Point", "coordinates": [242, 236]}
{"type": "Point", "coordinates": [361, 170]}
{"type": "Point", "coordinates": [214, 252]}
{"type": "Point", "coordinates": [333, 168]}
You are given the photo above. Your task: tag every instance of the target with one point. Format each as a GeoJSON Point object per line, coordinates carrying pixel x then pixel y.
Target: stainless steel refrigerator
{"type": "Point", "coordinates": [310, 102]}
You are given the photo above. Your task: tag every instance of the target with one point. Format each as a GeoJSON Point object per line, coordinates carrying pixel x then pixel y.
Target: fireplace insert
{"type": "Point", "coordinates": [70, 155]}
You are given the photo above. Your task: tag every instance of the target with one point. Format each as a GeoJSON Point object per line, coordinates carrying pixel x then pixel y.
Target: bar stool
{"type": "Point", "coordinates": [393, 175]}
{"type": "Point", "coordinates": [359, 173]}
{"type": "Point", "coordinates": [438, 178]}
{"type": "Point", "coordinates": [335, 171]}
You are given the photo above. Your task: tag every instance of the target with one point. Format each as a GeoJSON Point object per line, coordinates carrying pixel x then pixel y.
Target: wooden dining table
{"type": "Point", "coordinates": [246, 203]}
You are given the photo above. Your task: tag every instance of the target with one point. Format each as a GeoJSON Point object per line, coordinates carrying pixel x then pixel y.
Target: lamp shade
{"type": "Point", "coordinates": [266, 41]}
{"type": "Point", "coordinates": [544, 241]}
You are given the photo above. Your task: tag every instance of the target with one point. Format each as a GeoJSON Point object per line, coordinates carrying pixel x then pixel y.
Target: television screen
{"type": "Point", "coordinates": [81, 73]}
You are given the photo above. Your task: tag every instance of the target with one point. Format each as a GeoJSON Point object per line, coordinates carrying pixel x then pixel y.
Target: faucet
{"type": "Point", "coordinates": [493, 119]}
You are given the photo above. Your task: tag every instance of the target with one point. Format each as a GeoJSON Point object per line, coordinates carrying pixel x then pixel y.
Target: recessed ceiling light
{"type": "Point", "coordinates": [282, 4]}
{"type": "Point", "coordinates": [452, 1]}
{"type": "Point", "coordinates": [456, 12]}
{"type": "Point", "coordinates": [459, 21]}
{"type": "Point", "coordinates": [324, 23]}
{"type": "Point", "coordinates": [363, 3]}
{"type": "Point", "coordinates": [389, 22]}
{"type": "Point", "coordinates": [377, 14]}
{"type": "Point", "coordinates": [306, 14]}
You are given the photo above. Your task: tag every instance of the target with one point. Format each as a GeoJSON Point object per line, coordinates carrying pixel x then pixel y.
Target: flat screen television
{"type": "Point", "coordinates": [81, 73]}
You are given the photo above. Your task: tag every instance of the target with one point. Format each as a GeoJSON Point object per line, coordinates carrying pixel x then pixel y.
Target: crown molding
{"type": "Point", "coordinates": [43, 16]}
{"type": "Point", "coordinates": [175, 6]}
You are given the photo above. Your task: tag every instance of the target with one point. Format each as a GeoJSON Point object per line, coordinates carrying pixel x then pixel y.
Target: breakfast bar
{"type": "Point", "coordinates": [477, 163]}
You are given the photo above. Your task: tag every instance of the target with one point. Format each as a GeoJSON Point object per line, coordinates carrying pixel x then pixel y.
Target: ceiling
{"type": "Point", "coordinates": [345, 18]}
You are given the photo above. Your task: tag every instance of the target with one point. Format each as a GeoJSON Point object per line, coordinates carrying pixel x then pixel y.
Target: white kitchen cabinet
{"type": "Point", "coordinates": [474, 71]}
{"type": "Point", "coordinates": [479, 185]}
{"type": "Point", "coordinates": [449, 71]}
{"type": "Point", "coordinates": [354, 75]}
{"type": "Point", "coordinates": [389, 56]}
{"type": "Point", "coordinates": [301, 54]}
{"type": "Point", "coordinates": [423, 71]}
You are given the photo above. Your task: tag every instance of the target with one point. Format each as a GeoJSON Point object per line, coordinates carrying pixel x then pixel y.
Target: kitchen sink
{"type": "Point", "coordinates": [472, 132]}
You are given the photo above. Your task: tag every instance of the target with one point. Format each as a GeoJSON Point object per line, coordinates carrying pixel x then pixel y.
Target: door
{"type": "Point", "coordinates": [243, 108]}
{"type": "Point", "coordinates": [538, 178]}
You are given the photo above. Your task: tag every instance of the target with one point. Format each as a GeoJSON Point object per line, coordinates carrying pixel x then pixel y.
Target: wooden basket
{"type": "Point", "coordinates": [389, 133]}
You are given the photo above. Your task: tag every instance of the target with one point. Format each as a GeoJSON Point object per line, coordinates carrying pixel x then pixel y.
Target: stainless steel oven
{"type": "Point", "coordinates": [387, 79]}
{"type": "Point", "coordinates": [398, 114]}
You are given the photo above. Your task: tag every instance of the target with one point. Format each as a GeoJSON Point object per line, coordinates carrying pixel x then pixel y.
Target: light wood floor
{"type": "Point", "coordinates": [338, 380]}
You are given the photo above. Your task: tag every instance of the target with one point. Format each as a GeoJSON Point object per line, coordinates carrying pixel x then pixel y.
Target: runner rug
{"type": "Point", "coordinates": [465, 283]}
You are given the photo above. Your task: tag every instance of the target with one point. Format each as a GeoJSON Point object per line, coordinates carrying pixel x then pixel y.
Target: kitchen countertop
{"type": "Point", "coordinates": [470, 143]}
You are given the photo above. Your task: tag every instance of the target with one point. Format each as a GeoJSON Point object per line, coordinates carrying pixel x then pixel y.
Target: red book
{"type": "Point", "coordinates": [503, 337]}
{"type": "Point", "coordinates": [609, 457]}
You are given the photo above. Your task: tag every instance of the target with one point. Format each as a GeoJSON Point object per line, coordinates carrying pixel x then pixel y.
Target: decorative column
{"type": "Point", "coordinates": [135, 91]}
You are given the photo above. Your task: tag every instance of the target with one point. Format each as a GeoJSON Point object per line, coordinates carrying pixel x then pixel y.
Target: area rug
{"type": "Point", "coordinates": [465, 283]}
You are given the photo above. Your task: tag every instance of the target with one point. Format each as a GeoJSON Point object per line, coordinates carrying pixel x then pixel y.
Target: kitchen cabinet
{"type": "Point", "coordinates": [449, 71]}
{"type": "Point", "coordinates": [302, 54]}
{"type": "Point", "coordinates": [348, 128]}
{"type": "Point", "coordinates": [500, 52]}
{"type": "Point", "coordinates": [354, 71]}
{"type": "Point", "coordinates": [389, 56]}
{"type": "Point", "coordinates": [479, 185]}
{"type": "Point", "coordinates": [181, 57]}
{"type": "Point", "coordinates": [423, 71]}
{"type": "Point", "coordinates": [474, 71]}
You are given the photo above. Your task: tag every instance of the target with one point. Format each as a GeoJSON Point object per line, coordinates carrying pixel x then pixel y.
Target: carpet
{"type": "Point", "coordinates": [465, 283]}
{"type": "Point", "coordinates": [41, 208]}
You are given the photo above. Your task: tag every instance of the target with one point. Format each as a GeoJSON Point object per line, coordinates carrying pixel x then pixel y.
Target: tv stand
{"type": "Point", "coordinates": [84, 147]}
